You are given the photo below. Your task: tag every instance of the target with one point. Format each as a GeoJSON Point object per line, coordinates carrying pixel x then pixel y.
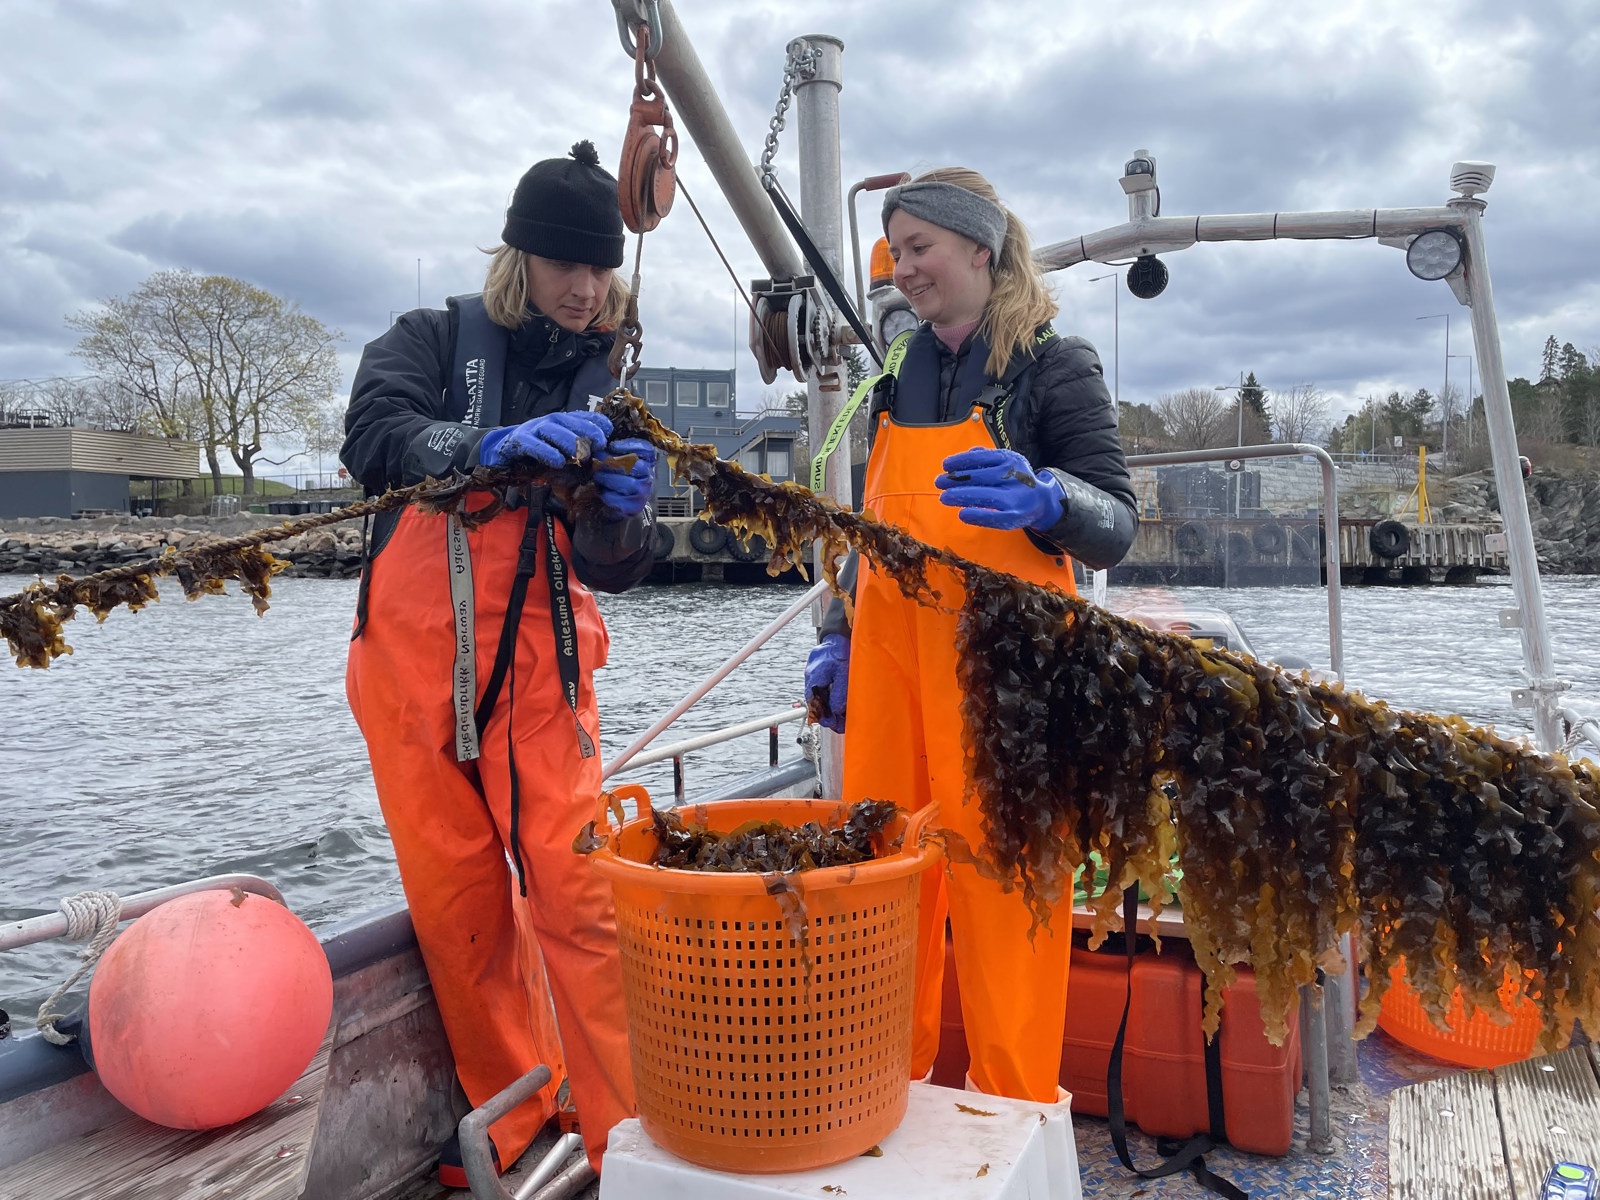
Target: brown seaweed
{"type": "Point", "coordinates": [771, 847]}
{"type": "Point", "coordinates": [31, 620]}
{"type": "Point", "coordinates": [1299, 811]}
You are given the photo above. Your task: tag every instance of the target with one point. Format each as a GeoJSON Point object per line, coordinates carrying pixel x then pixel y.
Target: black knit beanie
{"type": "Point", "coordinates": [566, 209]}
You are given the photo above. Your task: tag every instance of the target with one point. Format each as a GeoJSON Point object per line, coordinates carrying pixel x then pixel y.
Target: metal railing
{"type": "Point", "coordinates": [1330, 516]}
{"type": "Point", "coordinates": [632, 755]}
{"type": "Point", "coordinates": [54, 925]}
{"type": "Point", "coordinates": [677, 750]}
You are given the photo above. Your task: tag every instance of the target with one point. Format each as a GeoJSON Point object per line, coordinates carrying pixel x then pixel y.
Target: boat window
{"type": "Point", "coordinates": [688, 394]}
{"type": "Point", "coordinates": [655, 392]}
{"type": "Point", "coordinates": [716, 395]}
{"type": "Point", "coordinates": [778, 462]}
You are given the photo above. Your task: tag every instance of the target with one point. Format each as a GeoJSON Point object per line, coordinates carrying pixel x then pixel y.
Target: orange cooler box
{"type": "Point", "coordinates": [1163, 1058]}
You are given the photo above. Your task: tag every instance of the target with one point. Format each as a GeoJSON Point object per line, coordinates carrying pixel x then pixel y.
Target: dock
{"type": "Point", "coordinates": [1272, 551]}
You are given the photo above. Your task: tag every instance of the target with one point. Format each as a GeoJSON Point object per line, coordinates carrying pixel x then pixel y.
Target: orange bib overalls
{"type": "Point", "coordinates": [452, 825]}
{"type": "Point", "coordinates": [904, 743]}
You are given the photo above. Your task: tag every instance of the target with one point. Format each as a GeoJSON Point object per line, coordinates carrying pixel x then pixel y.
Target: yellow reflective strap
{"type": "Point", "coordinates": [836, 431]}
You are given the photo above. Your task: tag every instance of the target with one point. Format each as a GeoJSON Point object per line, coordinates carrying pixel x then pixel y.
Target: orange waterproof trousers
{"type": "Point", "coordinates": [451, 826]}
{"type": "Point", "coordinates": [903, 742]}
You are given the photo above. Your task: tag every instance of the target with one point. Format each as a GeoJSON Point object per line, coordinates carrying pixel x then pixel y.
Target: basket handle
{"type": "Point", "coordinates": [609, 806]}
{"type": "Point", "coordinates": [917, 826]}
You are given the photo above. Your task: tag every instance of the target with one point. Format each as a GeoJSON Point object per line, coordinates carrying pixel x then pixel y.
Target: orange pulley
{"type": "Point", "coordinates": [647, 177]}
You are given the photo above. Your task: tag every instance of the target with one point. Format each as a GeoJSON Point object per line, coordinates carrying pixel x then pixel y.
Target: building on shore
{"type": "Point", "coordinates": [702, 406]}
{"type": "Point", "coordinates": [49, 470]}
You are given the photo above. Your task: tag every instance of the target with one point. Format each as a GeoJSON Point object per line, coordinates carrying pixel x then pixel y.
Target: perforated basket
{"type": "Point", "coordinates": [755, 1051]}
{"type": "Point", "coordinates": [1477, 1042]}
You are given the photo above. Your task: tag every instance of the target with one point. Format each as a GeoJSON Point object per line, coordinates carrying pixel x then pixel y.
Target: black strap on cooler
{"type": "Point", "coordinates": [1176, 1156]}
{"type": "Point", "coordinates": [505, 666]}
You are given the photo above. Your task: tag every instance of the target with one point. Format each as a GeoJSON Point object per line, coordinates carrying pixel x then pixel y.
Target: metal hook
{"type": "Point", "coordinates": [645, 12]}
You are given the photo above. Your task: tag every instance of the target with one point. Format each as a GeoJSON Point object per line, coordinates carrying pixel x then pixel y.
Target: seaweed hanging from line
{"type": "Point", "coordinates": [1299, 811]}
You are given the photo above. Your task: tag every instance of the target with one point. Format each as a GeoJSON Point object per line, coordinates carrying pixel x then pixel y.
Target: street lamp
{"type": "Point", "coordinates": [1116, 340]}
{"type": "Point", "coordinates": [1469, 359]}
{"type": "Point", "coordinates": [1444, 396]}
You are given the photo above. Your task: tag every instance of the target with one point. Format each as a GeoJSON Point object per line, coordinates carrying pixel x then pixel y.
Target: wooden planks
{"type": "Point", "coordinates": [1487, 1135]}
{"type": "Point", "coordinates": [1549, 1113]}
{"type": "Point", "coordinates": [263, 1158]}
{"type": "Point", "coordinates": [1444, 1141]}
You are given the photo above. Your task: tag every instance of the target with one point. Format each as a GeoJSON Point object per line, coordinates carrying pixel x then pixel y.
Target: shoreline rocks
{"type": "Point", "coordinates": [51, 546]}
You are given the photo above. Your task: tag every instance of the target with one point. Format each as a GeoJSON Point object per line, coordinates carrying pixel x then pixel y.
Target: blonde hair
{"type": "Point", "coordinates": [1019, 303]}
{"type": "Point", "coordinates": [505, 292]}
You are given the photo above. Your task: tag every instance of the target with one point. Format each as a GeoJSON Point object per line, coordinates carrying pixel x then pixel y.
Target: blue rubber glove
{"type": "Point", "coordinates": [828, 680]}
{"type": "Point", "coordinates": [549, 440]}
{"type": "Point", "coordinates": [625, 493]}
{"type": "Point", "coordinates": [999, 490]}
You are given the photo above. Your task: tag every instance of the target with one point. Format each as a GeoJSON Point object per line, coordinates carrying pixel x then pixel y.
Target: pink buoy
{"type": "Point", "coordinates": [207, 1008]}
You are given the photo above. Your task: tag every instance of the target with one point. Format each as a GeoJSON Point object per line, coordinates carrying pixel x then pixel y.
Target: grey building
{"type": "Point", "coordinates": [701, 406]}
{"type": "Point", "coordinates": [64, 471]}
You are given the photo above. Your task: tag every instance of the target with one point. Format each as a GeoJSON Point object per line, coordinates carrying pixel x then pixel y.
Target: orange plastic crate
{"type": "Point", "coordinates": [1477, 1042]}
{"type": "Point", "coordinates": [751, 1053]}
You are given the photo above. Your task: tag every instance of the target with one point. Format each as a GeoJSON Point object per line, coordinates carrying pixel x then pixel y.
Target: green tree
{"type": "Point", "coordinates": [1255, 399]}
{"type": "Point", "coordinates": [1142, 428]}
{"type": "Point", "coordinates": [214, 359]}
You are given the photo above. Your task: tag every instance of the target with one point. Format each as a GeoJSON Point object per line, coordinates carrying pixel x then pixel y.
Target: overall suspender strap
{"type": "Point", "coordinates": [836, 431]}
{"type": "Point", "coordinates": [464, 676]}
{"type": "Point", "coordinates": [566, 632]}
{"type": "Point", "coordinates": [1190, 1155]}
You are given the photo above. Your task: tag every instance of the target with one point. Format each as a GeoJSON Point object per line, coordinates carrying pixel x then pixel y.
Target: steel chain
{"type": "Point", "coordinates": [798, 64]}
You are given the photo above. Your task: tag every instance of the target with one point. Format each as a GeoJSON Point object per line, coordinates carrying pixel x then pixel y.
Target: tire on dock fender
{"type": "Point", "coordinates": [1389, 539]}
{"type": "Point", "coordinates": [1190, 538]}
{"type": "Point", "coordinates": [706, 537]}
{"type": "Point", "coordinates": [1269, 539]}
{"type": "Point", "coordinates": [752, 550]}
{"type": "Point", "coordinates": [666, 543]}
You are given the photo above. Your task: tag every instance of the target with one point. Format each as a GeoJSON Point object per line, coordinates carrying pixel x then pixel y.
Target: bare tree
{"type": "Point", "coordinates": [1197, 418]}
{"type": "Point", "coordinates": [1546, 420]}
{"type": "Point", "coordinates": [216, 359]}
{"type": "Point", "coordinates": [1299, 413]}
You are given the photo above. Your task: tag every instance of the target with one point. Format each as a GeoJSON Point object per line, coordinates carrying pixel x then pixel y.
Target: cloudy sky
{"type": "Point", "coordinates": [320, 149]}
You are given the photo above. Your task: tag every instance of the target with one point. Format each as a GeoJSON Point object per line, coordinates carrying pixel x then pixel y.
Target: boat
{"type": "Point", "coordinates": [366, 1119]}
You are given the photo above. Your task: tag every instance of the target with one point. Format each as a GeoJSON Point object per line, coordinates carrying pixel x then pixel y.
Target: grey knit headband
{"type": "Point", "coordinates": [950, 207]}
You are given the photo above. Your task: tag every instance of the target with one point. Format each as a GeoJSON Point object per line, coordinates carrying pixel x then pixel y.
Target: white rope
{"type": "Point", "coordinates": [94, 915]}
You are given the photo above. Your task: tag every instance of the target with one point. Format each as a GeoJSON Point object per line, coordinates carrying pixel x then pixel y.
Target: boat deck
{"type": "Point", "coordinates": [1357, 1169]}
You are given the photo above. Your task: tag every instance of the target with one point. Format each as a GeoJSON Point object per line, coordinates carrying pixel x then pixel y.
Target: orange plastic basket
{"type": "Point", "coordinates": [1477, 1042]}
{"type": "Point", "coordinates": [753, 1052]}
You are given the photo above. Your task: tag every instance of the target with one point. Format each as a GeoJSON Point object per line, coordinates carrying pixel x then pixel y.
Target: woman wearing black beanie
{"type": "Point", "coordinates": [471, 667]}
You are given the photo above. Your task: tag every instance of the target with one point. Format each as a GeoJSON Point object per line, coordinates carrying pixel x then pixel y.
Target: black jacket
{"type": "Point", "coordinates": [1059, 417]}
{"type": "Point", "coordinates": [397, 430]}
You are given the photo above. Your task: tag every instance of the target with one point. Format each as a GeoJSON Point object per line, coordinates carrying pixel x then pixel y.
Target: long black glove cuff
{"type": "Point", "coordinates": [1095, 527]}
{"type": "Point", "coordinates": [438, 449]}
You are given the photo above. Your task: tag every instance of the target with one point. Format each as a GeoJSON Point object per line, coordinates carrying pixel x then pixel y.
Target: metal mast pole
{"type": "Point", "coordinates": [816, 97]}
{"type": "Point", "coordinates": [697, 106]}
{"type": "Point", "coordinates": [1543, 693]}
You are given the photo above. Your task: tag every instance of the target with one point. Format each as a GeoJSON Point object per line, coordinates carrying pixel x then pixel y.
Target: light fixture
{"type": "Point", "coordinates": [1434, 254]}
{"type": "Point", "coordinates": [1147, 277]}
{"type": "Point", "coordinates": [895, 321]}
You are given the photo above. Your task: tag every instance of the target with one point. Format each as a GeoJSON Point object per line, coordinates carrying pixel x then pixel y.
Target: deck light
{"type": "Point", "coordinates": [1434, 254]}
{"type": "Point", "coordinates": [1147, 277]}
{"type": "Point", "coordinates": [882, 264]}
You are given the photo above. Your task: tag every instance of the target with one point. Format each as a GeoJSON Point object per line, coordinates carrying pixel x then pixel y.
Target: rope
{"type": "Point", "coordinates": [93, 915]}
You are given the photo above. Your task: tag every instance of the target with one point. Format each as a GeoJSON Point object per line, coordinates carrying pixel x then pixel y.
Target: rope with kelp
{"type": "Point", "coordinates": [1298, 811]}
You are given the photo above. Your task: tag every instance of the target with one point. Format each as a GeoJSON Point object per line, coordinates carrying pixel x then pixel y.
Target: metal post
{"type": "Point", "coordinates": [1444, 396]}
{"type": "Point", "coordinates": [1544, 688]}
{"type": "Point", "coordinates": [816, 99]}
{"type": "Point", "coordinates": [1116, 340]}
{"type": "Point", "coordinates": [697, 107]}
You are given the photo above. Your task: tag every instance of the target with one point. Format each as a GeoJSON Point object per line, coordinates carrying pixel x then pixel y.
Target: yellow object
{"type": "Point", "coordinates": [1418, 498]}
{"type": "Point", "coordinates": [751, 1054]}
{"type": "Point", "coordinates": [903, 742]}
